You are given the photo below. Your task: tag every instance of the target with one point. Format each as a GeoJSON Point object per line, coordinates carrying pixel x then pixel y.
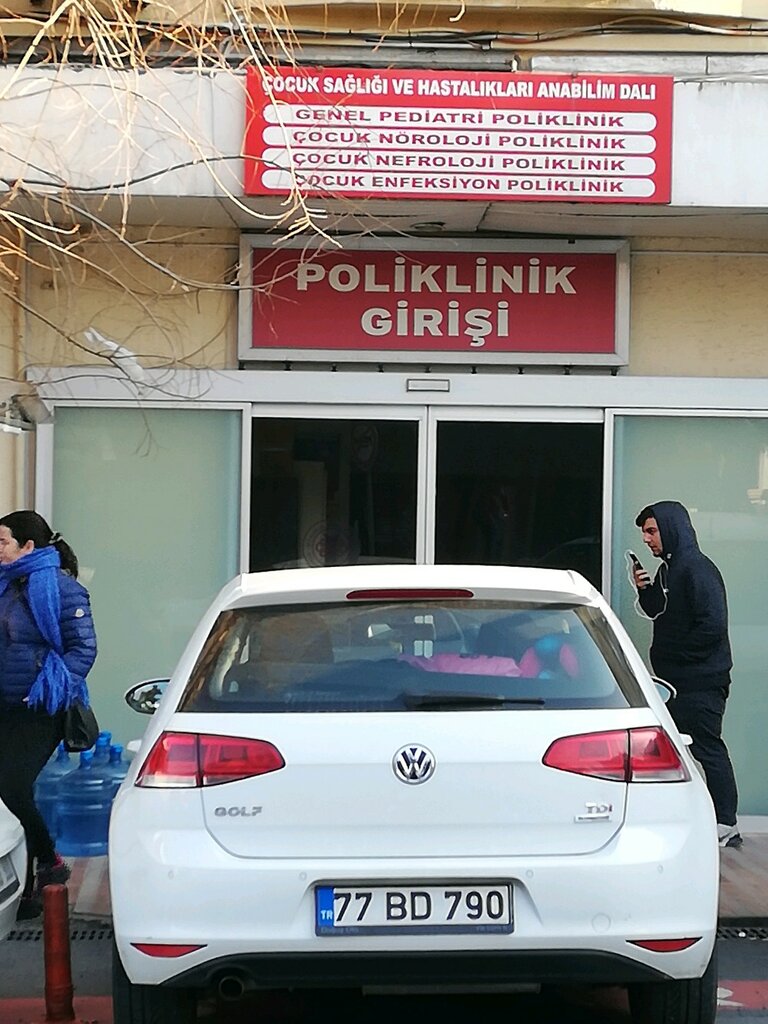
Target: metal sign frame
{"type": "Point", "coordinates": [250, 244]}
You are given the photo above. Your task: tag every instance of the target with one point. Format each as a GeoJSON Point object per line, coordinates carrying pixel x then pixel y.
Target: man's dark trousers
{"type": "Point", "coordinates": [700, 714]}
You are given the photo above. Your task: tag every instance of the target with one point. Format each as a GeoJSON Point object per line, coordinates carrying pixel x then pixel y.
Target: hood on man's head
{"type": "Point", "coordinates": [675, 526]}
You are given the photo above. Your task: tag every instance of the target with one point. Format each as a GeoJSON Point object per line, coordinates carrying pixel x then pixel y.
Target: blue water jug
{"type": "Point", "coordinates": [117, 768]}
{"type": "Point", "coordinates": [102, 747]}
{"type": "Point", "coordinates": [85, 802]}
{"type": "Point", "coordinates": [47, 787]}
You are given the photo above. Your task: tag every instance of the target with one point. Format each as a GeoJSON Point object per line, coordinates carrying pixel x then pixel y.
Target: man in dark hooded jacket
{"type": "Point", "coordinates": [690, 646]}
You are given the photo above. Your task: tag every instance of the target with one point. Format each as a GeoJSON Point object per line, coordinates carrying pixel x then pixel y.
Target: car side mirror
{"type": "Point", "coordinates": [665, 690]}
{"type": "Point", "coordinates": [145, 697]}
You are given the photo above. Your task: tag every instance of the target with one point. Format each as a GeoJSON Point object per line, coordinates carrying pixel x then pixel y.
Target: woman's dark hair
{"type": "Point", "coordinates": [27, 525]}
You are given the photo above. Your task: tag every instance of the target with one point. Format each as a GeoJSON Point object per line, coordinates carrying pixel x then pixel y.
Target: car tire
{"type": "Point", "coordinates": [688, 1001]}
{"type": "Point", "coordinates": [148, 1004]}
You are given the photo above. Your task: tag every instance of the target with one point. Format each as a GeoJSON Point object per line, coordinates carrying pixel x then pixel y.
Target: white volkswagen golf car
{"type": "Point", "coordinates": [409, 775]}
{"type": "Point", "coordinates": [13, 867]}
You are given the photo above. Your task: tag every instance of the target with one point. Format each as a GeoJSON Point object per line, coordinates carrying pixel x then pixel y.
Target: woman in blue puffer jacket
{"type": "Point", "coordinates": [47, 647]}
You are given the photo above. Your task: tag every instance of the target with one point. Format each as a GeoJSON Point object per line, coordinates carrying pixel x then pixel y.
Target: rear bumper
{"type": "Point", "coordinates": [573, 921]}
{"type": "Point", "coordinates": [573, 915]}
{"type": "Point", "coordinates": [358, 970]}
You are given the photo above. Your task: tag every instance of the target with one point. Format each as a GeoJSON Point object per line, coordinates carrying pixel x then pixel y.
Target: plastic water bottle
{"type": "Point", "coordinates": [117, 768]}
{"type": "Point", "coordinates": [85, 802]}
{"type": "Point", "coordinates": [101, 748]}
{"type": "Point", "coordinates": [47, 787]}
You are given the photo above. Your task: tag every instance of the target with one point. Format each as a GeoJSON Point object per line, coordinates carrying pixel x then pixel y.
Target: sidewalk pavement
{"type": "Point", "coordinates": [89, 887]}
{"type": "Point", "coordinates": [87, 1010]}
{"type": "Point", "coordinates": [88, 890]}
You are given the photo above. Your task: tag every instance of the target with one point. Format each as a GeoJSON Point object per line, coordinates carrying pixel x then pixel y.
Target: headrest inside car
{"type": "Point", "coordinates": [295, 638]}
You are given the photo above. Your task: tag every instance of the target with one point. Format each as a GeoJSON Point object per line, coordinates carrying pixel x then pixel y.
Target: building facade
{"type": "Point", "coordinates": [210, 370]}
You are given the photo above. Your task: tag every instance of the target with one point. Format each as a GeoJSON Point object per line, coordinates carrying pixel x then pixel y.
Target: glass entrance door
{"type": "Point", "coordinates": [342, 486]}
{"type": "Point", "coordinates": [327, 490]}
{"type": "Point", "coordinates": [519, 493]}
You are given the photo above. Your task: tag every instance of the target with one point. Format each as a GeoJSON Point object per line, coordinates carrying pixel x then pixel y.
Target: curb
{"type": "Point", "coordinates": [88, 1010]}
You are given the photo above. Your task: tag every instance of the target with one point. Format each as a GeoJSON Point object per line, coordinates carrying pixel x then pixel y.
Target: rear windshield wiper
{"type": "Point", "coordinates": [451, 699]}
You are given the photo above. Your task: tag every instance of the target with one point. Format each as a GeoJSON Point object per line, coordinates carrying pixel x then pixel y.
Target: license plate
{"type": "Point", "coordinates": [9, 883]}
{"type": "Point", "coordinates": [352, 910]}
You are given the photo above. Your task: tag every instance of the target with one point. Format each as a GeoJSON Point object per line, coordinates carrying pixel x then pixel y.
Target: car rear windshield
{"type": "Point", "coordinates": [452, 655]}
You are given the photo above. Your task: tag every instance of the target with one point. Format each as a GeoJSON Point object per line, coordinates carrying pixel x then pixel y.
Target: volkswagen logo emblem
{"type": "Point", "coordinates": [414, 764]}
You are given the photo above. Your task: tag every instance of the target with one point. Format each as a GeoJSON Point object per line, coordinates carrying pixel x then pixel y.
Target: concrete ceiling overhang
{"type": "Point", "coordinates": [500, 15]}
{"type": "Point", "coordinates": [425, 217]}
{"type": "Point", "coordinates": [434, 218]}
{"type": "Point", "coordinates": [292, 23]}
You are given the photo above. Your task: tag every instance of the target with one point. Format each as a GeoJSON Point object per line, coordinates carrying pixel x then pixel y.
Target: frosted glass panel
{"type": "Point", "coordinates": [718, 468]}
{"type": "Point", "coordinates": [150, 501]}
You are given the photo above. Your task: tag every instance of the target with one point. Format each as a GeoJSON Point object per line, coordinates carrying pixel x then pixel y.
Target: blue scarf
{"type": "Point", "coordinates": [55, 688]}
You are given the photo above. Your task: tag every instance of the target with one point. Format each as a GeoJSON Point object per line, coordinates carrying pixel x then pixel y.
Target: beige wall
{"type": "Point", "coordinates": [13, 480]}
{"type": "Point", "coordinates": [699, 312]}
{"type": "Point", "coordinates": [11, 286]}
{"type": "Point", "coordinates": [166, 295]}
{"type": "Point", "coordinates": [12, 446]}
{"type": "Point", "coordinates": [698, 308]}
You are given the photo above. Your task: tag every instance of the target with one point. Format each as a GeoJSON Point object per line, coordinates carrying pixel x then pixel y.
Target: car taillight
{"type": "Point", "coordinates": [182, 760]}
{"type": "Point", "coordinates": [653, 757]}
{"type": "Point", "coordinates": [621, 755]}
{"type": "Point", "coordinates": [227, 758]}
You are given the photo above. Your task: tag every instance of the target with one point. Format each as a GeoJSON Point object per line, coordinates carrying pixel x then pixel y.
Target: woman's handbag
{"type": "Point", "coordinates": [80, 728]}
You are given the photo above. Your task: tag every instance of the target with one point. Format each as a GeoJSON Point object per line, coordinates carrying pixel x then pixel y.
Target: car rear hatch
{"type": "Point", "coordinates": [490, 794]}
{"type": "Point", "coordinates": [475, 692]}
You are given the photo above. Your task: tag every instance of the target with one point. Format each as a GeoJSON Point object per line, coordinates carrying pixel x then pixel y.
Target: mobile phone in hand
{"type": "Point", "coordinates": [637, 565]}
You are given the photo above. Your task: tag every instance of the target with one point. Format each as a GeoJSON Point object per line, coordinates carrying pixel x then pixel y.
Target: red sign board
{"type": "Point", "coordinates": [462, 135]}
{"type": "Point", "coordinates": [501, 301]}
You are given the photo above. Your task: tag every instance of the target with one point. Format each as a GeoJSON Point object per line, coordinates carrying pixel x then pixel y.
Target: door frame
{"type": "Point", "coordinates": [429, 392]}
{"type": "Point", "coordinates": [428, 416]}
{"type": "Point", "coordinates": [425, 414]}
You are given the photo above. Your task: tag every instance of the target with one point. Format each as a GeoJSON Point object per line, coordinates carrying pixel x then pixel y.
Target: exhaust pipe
{"type": "Point", "coordinates": [230, 988]}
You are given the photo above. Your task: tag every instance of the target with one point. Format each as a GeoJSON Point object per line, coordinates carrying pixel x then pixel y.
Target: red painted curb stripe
{"type": "Point", "coordinates": [90, 1009]}
{"type": "Point", "coordinates": [733, 995]}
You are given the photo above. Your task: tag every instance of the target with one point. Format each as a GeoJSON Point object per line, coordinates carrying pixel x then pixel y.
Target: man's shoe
{"type": "Point", "coordinates": [52, 874]}
{"type": "Point", "coordinates": [29, 908]}
{"type": "Point", "coordinates": [729, 835]}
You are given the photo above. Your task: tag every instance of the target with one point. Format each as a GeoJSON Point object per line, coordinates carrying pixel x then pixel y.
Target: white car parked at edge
{"type": "Point", "coordinates": [429, 774]}
{"type": "Point", "coordinates": [13, 868]}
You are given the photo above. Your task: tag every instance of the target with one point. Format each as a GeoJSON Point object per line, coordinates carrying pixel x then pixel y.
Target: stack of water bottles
{"type": "Point", "coordinates": [74, 794]}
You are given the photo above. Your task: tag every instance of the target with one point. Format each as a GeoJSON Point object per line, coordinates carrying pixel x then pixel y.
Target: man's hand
{"type": "Point", "coordinates": [641, 577]}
